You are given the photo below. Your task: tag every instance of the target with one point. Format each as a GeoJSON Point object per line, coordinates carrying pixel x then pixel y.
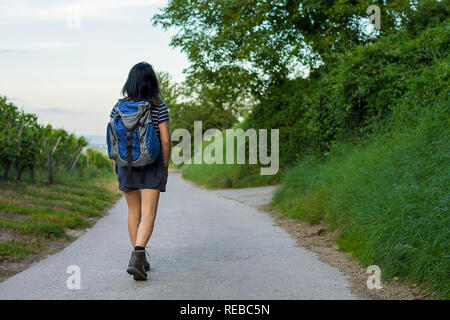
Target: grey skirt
{"type": "Point", "coordinates": [152, 176]}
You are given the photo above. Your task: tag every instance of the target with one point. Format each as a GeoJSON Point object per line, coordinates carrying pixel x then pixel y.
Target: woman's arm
{"type": "Point", "coordinates": [164, 134]}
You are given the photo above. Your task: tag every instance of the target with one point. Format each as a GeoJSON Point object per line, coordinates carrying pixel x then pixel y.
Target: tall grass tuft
{"type": "Point", "coordinates": [389, 198]}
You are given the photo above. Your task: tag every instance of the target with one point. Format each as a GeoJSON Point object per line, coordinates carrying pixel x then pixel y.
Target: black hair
{"type": "Point", "coordinates": [142, 84]}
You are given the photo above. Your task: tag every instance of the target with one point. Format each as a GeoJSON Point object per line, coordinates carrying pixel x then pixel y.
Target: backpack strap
{"type": "Point", "coordinates": [129, 156]}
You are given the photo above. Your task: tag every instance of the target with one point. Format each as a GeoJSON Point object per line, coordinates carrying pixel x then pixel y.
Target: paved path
{"type": "Point", "coordinates": [206, 245]}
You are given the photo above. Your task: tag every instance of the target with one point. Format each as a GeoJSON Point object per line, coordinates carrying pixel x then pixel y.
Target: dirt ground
{"type": "Point", "coordinates": [319, 240]}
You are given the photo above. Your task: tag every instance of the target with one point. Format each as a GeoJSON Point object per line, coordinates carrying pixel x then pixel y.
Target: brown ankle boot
{"type": "Point", "coordinates": [136, 266]}
{"type": "Point", "coordinates": [146, 263]}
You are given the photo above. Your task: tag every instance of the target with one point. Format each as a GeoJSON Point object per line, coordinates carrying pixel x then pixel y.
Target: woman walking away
{"type": "Point", "coordinates": [138, 140]}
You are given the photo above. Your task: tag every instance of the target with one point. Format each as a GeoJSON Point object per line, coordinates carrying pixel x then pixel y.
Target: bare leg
{"type": "Point", "coordinates": [149, 206]}
{"type": "Point", "coordinates": [134, 214]}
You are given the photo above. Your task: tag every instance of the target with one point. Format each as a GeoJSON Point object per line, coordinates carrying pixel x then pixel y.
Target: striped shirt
{"type": "Point", "coordinates": [159, 115]}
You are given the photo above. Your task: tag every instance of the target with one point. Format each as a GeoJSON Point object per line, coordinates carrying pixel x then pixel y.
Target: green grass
{"type": "Point", "coordinates": [90, 198]}
{"type": "Point", "coordinates": [84, 210]}
{"type": "Point", "coordinates": [91, 202]}
{"type": "Point", "coordinates": [19, 250]}
{"type": "Point", "coordinates": [89, 194]}
{"type": "Point", "coordinates": [87, 179]}
{"type": "Point", "coordinates": [389, 199]}
{"type": "Point", "coordinates": [45, 212]}
{"type": "Point", "coordinates": [44, 229]}
{"type": "Point", "coordinates": [55, 204]}
{"type": "Point", "coordinates": [227, 175]}
{"type": "Point", "coordinates": [46, 215]}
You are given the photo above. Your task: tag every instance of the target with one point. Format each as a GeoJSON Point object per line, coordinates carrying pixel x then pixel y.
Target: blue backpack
{"type": "Point", "coordinates": [131, 137]}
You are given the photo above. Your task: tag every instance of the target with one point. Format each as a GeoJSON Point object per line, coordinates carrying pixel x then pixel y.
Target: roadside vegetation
{"type": "Point", "coordinates": [47, 198]}
{"type": "Point", "coordinates": [387, 191]}
{"type": "Point", "coordinates": [228, 175]}
{"type": "Point", "coordinates": [37, 219]}
{"type": "Point", "coordinates": [364, 122]}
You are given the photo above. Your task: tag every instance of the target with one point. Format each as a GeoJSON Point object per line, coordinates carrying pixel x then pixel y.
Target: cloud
{"type": "Point", "coordinates": [13, 48]}
{"type": "Point", "coordinates": [88, 86]}
{"type": "Point", "coordinates": [54, 111]}
{"type": "Point", "coordinates": [20, 10]}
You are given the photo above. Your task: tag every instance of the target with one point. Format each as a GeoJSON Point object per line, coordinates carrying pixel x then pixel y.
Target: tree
{"type": "Point", "coordinates": [267, 33]}
{"type": "Point", "coordinates": [169, 89]}
{"type": "Point", "coordinates": [198, 99]}
{"type": "Point", "coordinates": [270, 39]}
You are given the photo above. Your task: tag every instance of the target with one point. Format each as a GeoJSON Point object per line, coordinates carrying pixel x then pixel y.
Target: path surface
{"type": "Point", "coordinates": [206, 245]}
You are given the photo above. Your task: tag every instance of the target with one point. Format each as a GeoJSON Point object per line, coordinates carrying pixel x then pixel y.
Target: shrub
{"type": "Point", "coordinates": [355, 93]}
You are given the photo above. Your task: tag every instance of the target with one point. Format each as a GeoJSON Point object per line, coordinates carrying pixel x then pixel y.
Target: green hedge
{"type": "Point", "coordinates": [354, 93]}
{"type": "Point", "coordinates": [380, 170]}
{"type": "Point", "coordinates": [389, 198]}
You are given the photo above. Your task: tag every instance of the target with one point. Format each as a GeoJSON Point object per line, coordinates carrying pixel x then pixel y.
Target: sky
{"type": "Point", "coordinates": [66, 61]}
